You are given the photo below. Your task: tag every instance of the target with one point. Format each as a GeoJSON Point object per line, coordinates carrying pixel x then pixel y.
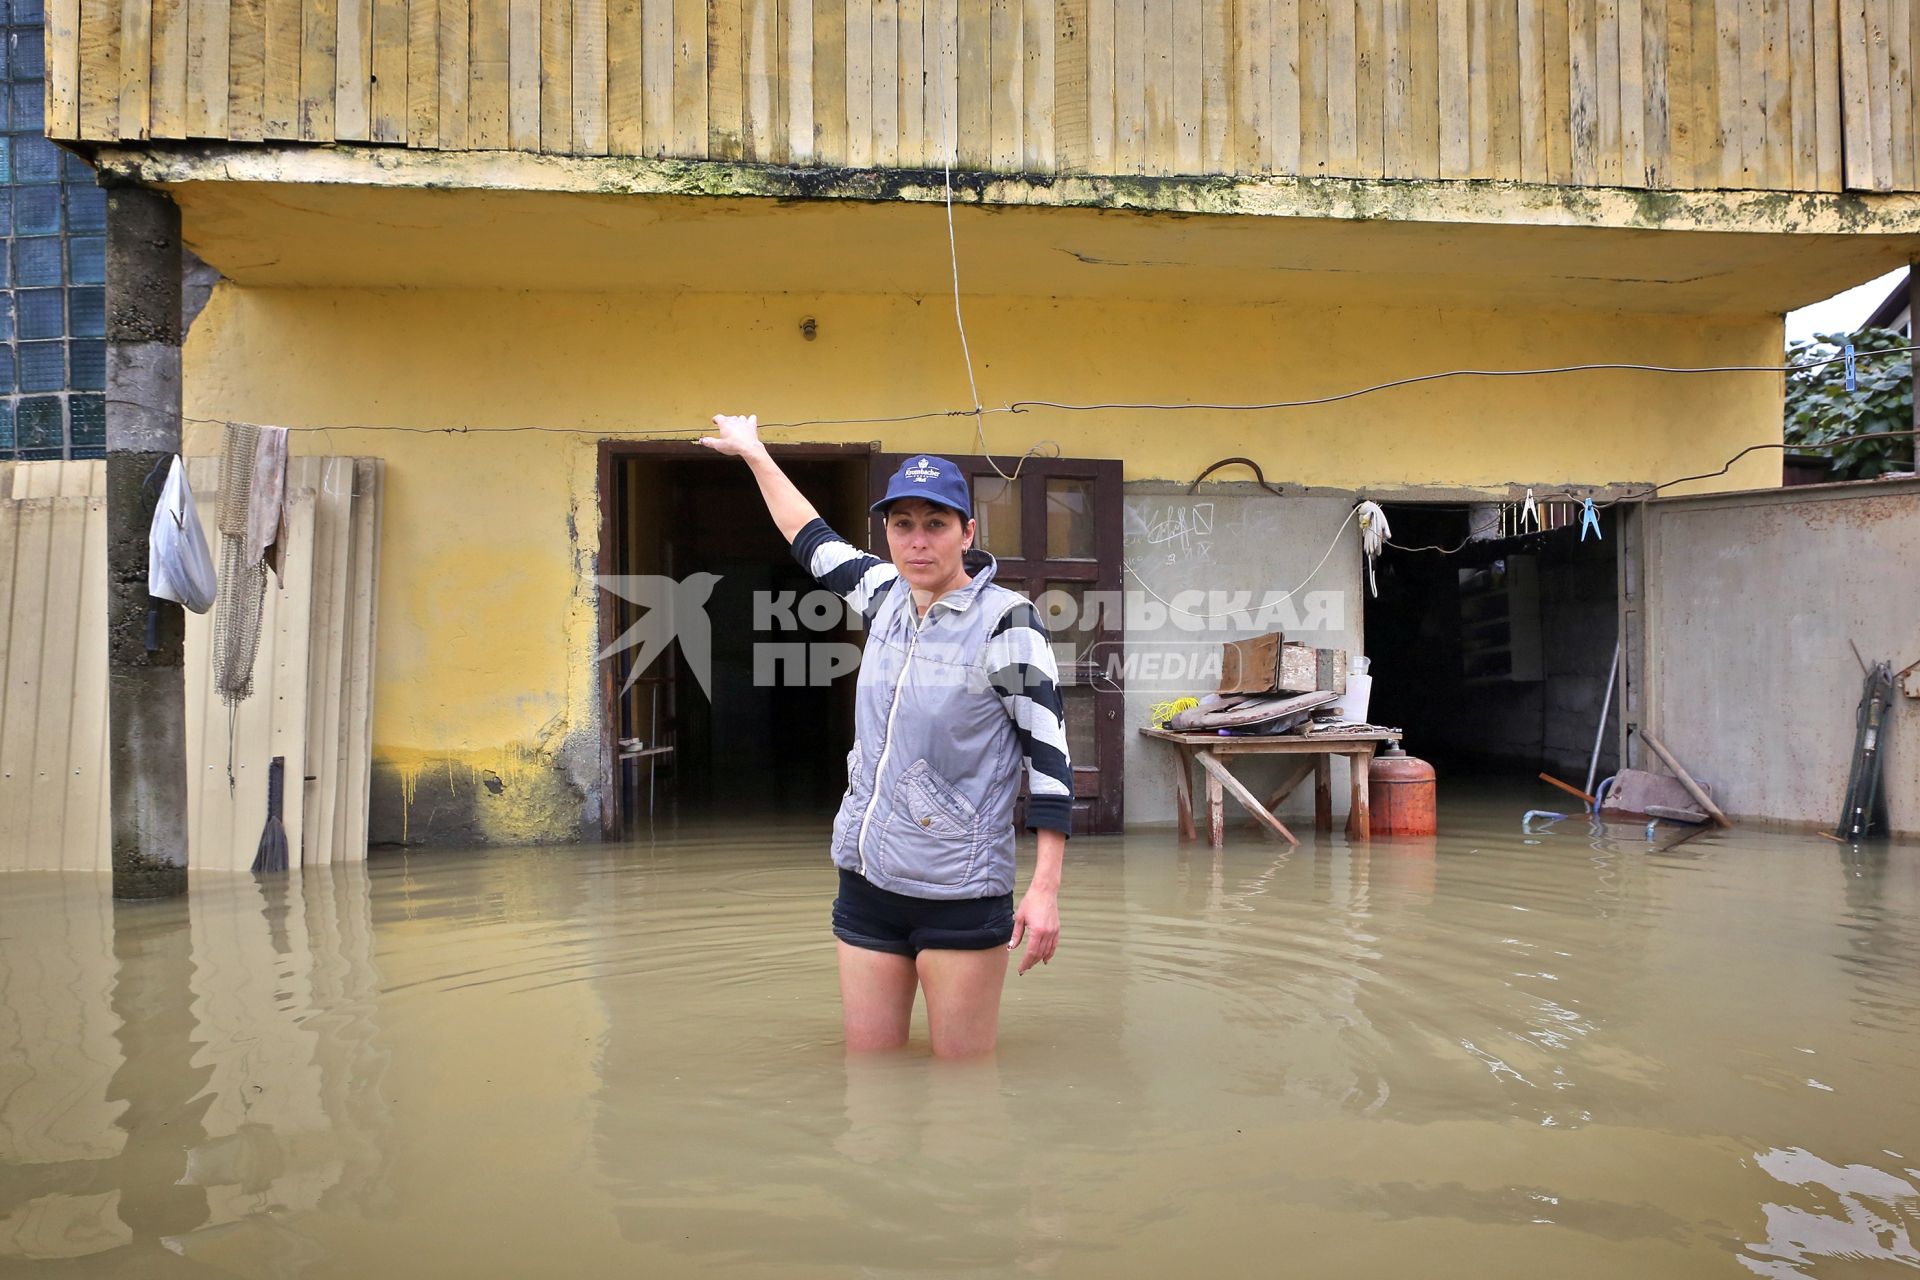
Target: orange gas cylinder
{"type": "Point", "coordinates": [1400, 791]}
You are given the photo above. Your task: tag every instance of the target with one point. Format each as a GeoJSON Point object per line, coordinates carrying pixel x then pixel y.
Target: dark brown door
{"type": "Point", "coordinates": [1055, 529]}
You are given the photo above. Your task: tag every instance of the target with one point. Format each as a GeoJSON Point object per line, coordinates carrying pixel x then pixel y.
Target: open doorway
{"type": "Point", "coordinates": [744, 743]}
{"type": "Point", "coordinates": [1494, 651]}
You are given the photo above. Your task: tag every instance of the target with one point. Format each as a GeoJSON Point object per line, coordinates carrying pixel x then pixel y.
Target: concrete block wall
{"type": "Point", "coordinates": [1229, 540]}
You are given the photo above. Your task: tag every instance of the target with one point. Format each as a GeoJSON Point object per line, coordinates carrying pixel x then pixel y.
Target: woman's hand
{"type": "Point", "coordinates": [1038, 921]}
{"type": "Point", "coordinates": [739, 436]}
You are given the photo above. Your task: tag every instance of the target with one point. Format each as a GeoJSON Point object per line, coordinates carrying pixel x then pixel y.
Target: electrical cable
{"type": "Point", "coordinates": [1824, 444]}
{"type": "Point", "coordinates": [960, 323]}
{"type": "Point", "coordinates": [953, 260]}
{"type": "Point", "coordinates": [1259, 476]}
{"type": "Point", "coordinates": [1021, 406]}
{"type": "Point", "coordinates": [979, 411]}
{"type": "Point", "coordinates": [1445, 551]}
{"type": "Point", "coordinates": [1270, 601]}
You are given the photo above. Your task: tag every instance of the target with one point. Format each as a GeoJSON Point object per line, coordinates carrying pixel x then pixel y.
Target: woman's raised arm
{"type": "Point", "coordinates": [739, 437]}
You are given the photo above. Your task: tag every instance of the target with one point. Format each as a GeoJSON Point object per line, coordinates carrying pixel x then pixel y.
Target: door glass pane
{"type": "Point", "coordinates": [1070, 520]}
{"type": "Point", "coordinates": [1082, 745]}
{"type": "Point", "coordinates": [996, 506]}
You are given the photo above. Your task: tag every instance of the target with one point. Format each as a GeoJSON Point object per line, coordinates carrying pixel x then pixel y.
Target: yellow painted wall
{"type": "Point", "coordinates": [487, 626]}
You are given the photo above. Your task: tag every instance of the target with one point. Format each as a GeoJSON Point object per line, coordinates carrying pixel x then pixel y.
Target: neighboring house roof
{"type": "Point", "coordinates": [1894, 311]}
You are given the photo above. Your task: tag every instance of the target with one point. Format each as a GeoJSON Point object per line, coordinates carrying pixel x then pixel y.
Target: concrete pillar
{"type": "Point", "coordinates": [164, 1091]}
{"type": "Point", "coordinates": [146, 689]}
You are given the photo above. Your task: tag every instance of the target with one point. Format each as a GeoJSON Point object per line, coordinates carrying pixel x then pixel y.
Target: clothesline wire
{"type": "Point", "coordinates": [979, 411]}
{"type": "Point", "coordinates": [1022, 406]}
{"type": "Point", "coordinates": [1555, 496]}
{"type": "Point", "coordinates": [1649, 491]}
{"type": "Point", "coordinates": [686, 433]}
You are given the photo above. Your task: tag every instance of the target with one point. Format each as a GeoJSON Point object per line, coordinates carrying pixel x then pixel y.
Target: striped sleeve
{"type": "Point", "coordinates": [1020, 665]}
{"type": "Point", "coordinates": [842, 568]}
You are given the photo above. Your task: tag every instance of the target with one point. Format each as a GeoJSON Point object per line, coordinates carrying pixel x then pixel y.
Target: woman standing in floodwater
{"type": "Point", "coordinates": [958, 700]}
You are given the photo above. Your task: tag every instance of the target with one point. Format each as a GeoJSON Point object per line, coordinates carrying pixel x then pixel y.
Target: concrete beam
{"type": "Point", "coordinates": [146, 687]}
{"type": "Point", "coordinates": [1401, 200]}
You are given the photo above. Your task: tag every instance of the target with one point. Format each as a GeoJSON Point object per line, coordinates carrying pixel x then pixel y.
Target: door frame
{"type": "Point", "coordinates": [606, 563]}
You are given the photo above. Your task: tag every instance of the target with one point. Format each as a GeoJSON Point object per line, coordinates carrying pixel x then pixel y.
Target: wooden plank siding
{"type": "Point", "coordinates": [1790, 95]}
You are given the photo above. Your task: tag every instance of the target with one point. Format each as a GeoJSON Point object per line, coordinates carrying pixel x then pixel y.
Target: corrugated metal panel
{"type": "Point", "coordinates": [229, 752]}
{"type": "Point", "coordinates": [350, 831]}
{"type": "Point", "coordinates": [331, 551]}
{"type": "Point", "coordinates": [53, 741]}
{"type": "Point", "coordinates": [315, 652]}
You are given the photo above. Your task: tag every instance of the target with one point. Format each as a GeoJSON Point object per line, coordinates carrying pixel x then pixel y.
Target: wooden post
{"type": "Point", "coordinates": [1216, 812]}
{"type": "Point", "coordinates": [1219, 776]}
{"type": "Point", "coordinates": [1360, 806]}
{"type": "Point", "coordinates": [1183, 790]}
{"type": "Point", "coordinates": [1322, 792]}
{"type": "Point", "coordinates": [146, 687]}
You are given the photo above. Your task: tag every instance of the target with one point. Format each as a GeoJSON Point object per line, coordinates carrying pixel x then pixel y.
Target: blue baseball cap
{"type": "Point", "coordinates": [934, 479]}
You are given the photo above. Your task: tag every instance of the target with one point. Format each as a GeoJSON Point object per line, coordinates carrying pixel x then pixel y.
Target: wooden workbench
{"type": "Point", "coordinates": [1211, 751]}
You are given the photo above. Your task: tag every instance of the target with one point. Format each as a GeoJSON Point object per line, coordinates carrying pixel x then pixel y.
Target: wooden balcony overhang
{"type": "Point", "coordinates": [383, 217]}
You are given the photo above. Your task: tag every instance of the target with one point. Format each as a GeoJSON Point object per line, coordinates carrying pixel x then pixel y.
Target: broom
{"type": "Point", "coordinates": [272, 855]}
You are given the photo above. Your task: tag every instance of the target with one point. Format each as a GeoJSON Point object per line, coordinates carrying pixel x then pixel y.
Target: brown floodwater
{"type": "Point", "coordinates": [1505, 1055]}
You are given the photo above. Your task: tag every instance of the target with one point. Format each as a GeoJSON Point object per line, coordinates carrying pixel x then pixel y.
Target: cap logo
{"type": "Point", "coordinates": [920, 472]}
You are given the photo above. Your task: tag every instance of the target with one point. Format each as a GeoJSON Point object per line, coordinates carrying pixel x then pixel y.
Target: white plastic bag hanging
{"type": "Point", "coordinates": [179, 566]}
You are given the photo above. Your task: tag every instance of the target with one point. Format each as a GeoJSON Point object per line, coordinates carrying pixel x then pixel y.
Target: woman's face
{"type": "Point", "coordinates": [925, 542]}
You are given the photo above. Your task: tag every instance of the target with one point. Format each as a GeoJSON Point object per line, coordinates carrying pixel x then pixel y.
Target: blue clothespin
{"type": "Point", "coordinates": [1853, 383]}
{"type": "Point", "coordinates": [1590, 519]}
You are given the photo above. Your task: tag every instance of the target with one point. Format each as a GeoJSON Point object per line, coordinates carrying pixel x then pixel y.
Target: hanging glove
{"type": "Point", "coordinates": [1374, 532]}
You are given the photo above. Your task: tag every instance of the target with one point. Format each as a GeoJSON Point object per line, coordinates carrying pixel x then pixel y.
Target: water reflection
{"type": "Point", "coordinates": [1865, 1218]}
{"type": "Point", "coordinates": [177, 1072]}
{"type": "Point", "coordinates": [1440, 1057]}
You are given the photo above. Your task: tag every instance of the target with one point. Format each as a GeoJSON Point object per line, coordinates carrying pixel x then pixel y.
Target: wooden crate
{"type": "Point", "coordinates": [1249, 666]}
{"type": "Point", "coordinates": [1307, 670]}
{"type": "Point", "coordinates": [1268, 664]}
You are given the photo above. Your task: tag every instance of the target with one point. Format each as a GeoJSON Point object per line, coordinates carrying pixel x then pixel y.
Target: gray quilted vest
{"type": "Point", "coordinates": [935, 767]}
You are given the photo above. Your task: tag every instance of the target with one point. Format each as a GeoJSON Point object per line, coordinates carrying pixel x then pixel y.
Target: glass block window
{"type": "Point", "coordinates": [53, 268]}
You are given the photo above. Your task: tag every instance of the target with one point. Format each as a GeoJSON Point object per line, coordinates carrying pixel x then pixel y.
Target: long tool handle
{"type": "Point", "coordinates": [1569, 788]}
{"type": "Point", "coordinates": [1686, 780]}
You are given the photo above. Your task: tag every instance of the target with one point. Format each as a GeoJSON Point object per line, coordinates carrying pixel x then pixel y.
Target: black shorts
{"type": "Point", "coordinates": [865, 915]}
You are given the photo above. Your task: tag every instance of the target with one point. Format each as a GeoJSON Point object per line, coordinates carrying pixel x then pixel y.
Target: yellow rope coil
{"type": "Point", "coordinates": [1161, 713]}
